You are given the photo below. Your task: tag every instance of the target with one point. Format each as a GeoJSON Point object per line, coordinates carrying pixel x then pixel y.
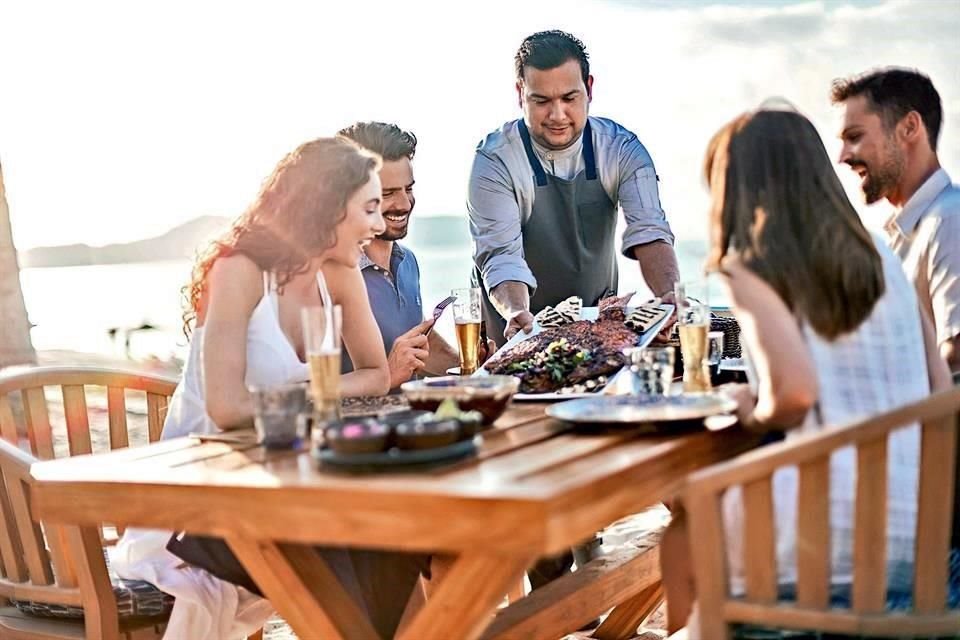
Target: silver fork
{"type": "Point", "coordinates": [438, 311]}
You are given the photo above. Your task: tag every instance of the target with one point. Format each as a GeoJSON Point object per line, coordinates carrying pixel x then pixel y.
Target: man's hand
{"type": "Point", "coordinates": [519, 320]}
{"type": "Point", "coordinates": [409, 353]}
{"type": "Point", "coordinates": [512, 301]}
{"type": "Point", "coordinates": [486, 350]}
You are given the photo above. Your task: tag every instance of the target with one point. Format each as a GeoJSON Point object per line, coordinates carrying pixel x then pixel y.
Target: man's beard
{"type": "Point", "coordinates": [882, 178]}
{"type": "Point", "coordinates": [391, 234]}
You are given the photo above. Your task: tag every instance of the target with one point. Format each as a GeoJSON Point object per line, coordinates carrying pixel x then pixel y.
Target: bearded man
{"type": "Point", "coordinates": [891, 123]}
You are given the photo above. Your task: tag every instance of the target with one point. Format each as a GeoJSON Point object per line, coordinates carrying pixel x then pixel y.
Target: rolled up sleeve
{"type": "Point", "coordinates": [944, 269]}
{"type": "Point", "coordinates": [640, 199]}
{"type": "Point", "coordinates": [495, 226]}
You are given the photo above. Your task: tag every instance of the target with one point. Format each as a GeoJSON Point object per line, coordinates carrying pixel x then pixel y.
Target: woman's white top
{"type": "Point", "coordinates": [271, 360]}
{"type": "Point", "coordinates": [877, 367]}
{"type": "Point", "coordinates": [205, 606]}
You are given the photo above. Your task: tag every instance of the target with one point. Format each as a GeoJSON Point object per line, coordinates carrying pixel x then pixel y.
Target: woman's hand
{"type": "Point", "coordinates": [745, 399]}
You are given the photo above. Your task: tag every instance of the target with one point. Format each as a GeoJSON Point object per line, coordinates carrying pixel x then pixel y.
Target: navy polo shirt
{"type": "Point", "coordinates": [394, 297]}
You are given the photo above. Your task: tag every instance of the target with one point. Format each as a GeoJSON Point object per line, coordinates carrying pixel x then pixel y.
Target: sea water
{"type": "Point", "coordinates": [101, 308]}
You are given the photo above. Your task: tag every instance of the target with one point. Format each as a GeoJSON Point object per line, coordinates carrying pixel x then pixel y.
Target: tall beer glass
{"type": "Point", "coordinates": [693, 319]}
{"type": "Point", "coordinates": [466, 318]}
{"type": "Point", "coordinates": [321, 338]}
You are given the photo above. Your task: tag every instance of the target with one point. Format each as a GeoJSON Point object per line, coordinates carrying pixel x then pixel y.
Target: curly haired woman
{"type": "Point", "coordinates": [304, 234]}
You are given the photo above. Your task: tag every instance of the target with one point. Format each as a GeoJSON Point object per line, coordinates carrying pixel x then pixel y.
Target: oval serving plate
{"type": "Point", "coordinates": [640, 409]}
{"type": "Point", "coordinates": [396, 458]}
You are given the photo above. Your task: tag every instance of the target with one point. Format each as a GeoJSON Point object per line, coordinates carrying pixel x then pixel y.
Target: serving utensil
{"type": "Point", "coordinates": [438, 311]}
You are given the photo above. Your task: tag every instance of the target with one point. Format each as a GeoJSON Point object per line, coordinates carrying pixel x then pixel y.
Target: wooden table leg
{"type": "Point", "coordinates": [440, 566]}
{"type": "Point", "coordinates": [517, 591]}
{"type": "Point", "coordinates": [463, 602]}
{"type": "Point", "coordinates": [416, 602]}
{"type": "Point", "coordinates": [623, 621]}
{"type": "Point", "coordinates": [304, 590]}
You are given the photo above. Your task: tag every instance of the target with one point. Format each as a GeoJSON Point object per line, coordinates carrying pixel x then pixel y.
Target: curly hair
{"type": "Point", "coordinates": [550, 49]}
{"type": "Point", "coordinates": [292, 220]}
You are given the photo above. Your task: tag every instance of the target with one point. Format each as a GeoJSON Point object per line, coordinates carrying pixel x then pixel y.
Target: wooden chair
{"type": "Point", "coordinates": [61, 565]}
{"type": "Point", "coordinates": [811, 611]}
{"type": "Point", "coordinates": [30, 383]}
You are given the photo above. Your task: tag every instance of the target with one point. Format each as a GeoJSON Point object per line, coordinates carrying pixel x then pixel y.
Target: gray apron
{"type": "Point", "coordinates": [568, 241]}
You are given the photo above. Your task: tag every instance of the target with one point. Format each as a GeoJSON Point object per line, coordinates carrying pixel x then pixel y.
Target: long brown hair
{"type": "Point", "coordinates": [294, 217]}
{"type": "Point", "coordinates": [777, 203]}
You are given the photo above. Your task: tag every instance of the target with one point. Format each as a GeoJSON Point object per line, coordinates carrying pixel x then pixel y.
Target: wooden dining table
{"type": "Point", "coordinates": [536, 486]}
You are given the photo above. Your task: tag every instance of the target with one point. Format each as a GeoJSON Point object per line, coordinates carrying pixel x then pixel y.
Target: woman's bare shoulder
{"type": "Point", "coordinates": [236, 277]}
{"type": "Point", "coordinates": [235, 268]}
{"type": "Point", "coordinates": [340, 278]}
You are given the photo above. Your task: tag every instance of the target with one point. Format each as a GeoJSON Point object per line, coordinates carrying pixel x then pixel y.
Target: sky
{"type": "Point", "coordinates": [120, 120]}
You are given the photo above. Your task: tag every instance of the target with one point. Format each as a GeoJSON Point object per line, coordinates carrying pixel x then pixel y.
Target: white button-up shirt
{"type": "Point", "coordinates": [925, 235]}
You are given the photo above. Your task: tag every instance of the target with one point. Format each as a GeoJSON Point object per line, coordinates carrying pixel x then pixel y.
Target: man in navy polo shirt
{"type": "Point", "coordinates": [390, 270]}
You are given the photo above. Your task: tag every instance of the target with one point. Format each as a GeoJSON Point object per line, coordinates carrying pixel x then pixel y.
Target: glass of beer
{"type": "Point", "coordinates": [466, 318]}
{"type": "Point", "coordinates": [693, 320]}
{"type": "Point", "coordinates": [321, 339]}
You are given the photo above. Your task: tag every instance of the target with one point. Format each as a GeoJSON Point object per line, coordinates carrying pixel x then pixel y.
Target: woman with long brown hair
{"type": "Point", "coordinates": [831, 324]}
{"type": "Point", "coordinates": [307, 227]}
{"type": "Point", "coordinates": [298, 244]}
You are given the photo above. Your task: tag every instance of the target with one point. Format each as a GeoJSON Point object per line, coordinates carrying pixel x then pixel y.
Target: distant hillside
{"type": "Point", "coordinates": [179, 242]}
{"type": "Point", "coordinates": [426, 232]}
{"type": "Point", "coordinates": [183, 242]}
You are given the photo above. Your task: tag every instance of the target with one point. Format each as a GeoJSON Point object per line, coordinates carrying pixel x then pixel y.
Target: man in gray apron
{"type": "Point", "coordinates": [543, 199]}
{"type": "Point", "coordinates": [544, 193]}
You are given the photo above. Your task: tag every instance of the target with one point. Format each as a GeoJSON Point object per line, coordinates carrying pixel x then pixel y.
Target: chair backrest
{"type": "Point", "coordinates": [56, 564]}
{"type": "Point", "coordinates": [30, 384]}
{"type": "Point", "coordinates": [811, 454]}
{"type": "Point", "coordinates": [61, 565]}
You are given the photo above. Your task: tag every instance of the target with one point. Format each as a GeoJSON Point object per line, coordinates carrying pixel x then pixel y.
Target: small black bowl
{"type": "Point", "coordinates": [393, 418]}
{"type": "Point", "coordinates": [426, 434]}
{"type": "Point", "coordinates": [357, 436]}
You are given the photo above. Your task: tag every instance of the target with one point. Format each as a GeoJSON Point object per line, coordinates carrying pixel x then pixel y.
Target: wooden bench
{"type": "Point", "coordinates": [627, 577]}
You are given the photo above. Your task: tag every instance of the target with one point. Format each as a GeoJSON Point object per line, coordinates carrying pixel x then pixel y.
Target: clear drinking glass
{"type": "Point", "coordinates": [278, 414]}
{"type": "Point", "coordinates": [321, 339]}
{"type": "Point", "coordinates": [651, 370]}
{"type": "Point", "coordinates": [693, 320]}
{"type": "Point", "coordinates": [714, 347]}
{"type": "Point", "coordinates": [466, 318]}
{"type": "Point", "coordinates": [714, 354]}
